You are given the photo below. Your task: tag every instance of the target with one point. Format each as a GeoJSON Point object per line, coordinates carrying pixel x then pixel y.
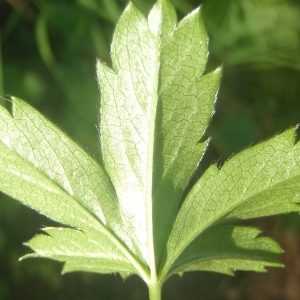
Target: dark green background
{"type": "Point", "coordinates": [47, 57]}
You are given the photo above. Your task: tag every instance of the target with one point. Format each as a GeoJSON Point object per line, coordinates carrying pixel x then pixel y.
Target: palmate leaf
{"type": "Point", "coordinates": [124, 215]}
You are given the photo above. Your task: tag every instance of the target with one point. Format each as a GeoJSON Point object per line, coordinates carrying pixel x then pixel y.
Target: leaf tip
{"type": "Point", "coordinates": [29, 255]}
{"type": "Point", "coordinates": [218, 70]}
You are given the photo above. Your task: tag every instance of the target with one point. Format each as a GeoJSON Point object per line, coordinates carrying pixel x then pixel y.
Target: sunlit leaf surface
{"type": "Point", "coordinates": [128, 214]}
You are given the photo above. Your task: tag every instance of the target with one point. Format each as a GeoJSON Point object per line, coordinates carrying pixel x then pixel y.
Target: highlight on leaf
{"type": "Point", "coordinates": [125, 214]}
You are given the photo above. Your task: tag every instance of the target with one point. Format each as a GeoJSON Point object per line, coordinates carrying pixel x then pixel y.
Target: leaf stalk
{"type": "Point", "coordinates": [155, 290]}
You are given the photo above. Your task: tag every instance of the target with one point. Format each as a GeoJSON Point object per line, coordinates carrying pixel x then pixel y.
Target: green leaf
{"type": "Point", "coordinates": [80, 251]}
{"type": "Point", "coordinates": [228, 248]}
{"type": "Point", "coordinates": [125, 214]}
{"type": "Point", "coordinates": [45, 170]}
{"type": "Point", "coordinates": [155, 107]}
{"type": "Point", "coordinates": [260, 181]}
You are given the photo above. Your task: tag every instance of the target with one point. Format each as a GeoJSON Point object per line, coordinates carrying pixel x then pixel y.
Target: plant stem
{"type": "Point", "coordinates": [154, 290]}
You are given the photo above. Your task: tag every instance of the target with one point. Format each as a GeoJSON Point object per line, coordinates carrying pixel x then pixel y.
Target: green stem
{"type": "Point", "coordinates": [155, 290]}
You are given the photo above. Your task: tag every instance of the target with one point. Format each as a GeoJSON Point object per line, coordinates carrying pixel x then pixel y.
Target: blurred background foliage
{"type": "Point", "coordinates": [47, 57]}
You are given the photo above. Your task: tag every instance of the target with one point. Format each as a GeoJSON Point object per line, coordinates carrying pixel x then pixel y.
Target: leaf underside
{"type": "Point", "coordinates": [123, 215]}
